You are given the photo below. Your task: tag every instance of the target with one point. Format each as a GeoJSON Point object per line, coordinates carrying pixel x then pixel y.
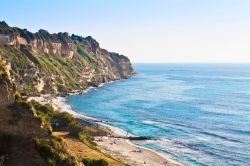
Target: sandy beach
{"type": "Point", "coordinates": [119, 148]}
{"type": "Point", "coordinates": [132, 154]}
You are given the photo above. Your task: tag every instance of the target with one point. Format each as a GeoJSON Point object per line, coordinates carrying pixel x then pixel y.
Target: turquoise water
{"type": "Point", "coordinates": [200, 114]}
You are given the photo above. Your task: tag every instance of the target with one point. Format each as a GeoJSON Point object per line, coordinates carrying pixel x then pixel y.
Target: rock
{"type": "Point", "coordinates": [7, 88]}
{"type": "Point", "coordinates": [58, 63]}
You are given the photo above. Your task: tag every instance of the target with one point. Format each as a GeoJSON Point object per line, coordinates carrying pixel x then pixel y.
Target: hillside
{"type": "Point", "coordinates": [41, 63]}
{"type": "Point", "coordinates": [32, 64]}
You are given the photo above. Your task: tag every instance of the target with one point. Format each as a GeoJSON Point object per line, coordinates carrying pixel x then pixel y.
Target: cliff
{"type": "Point", "coordinates": [7, 88]}
{"type": "Point", "coordinates": [40, 63]}
{"type": "Point", "coordinates": [44, 63]}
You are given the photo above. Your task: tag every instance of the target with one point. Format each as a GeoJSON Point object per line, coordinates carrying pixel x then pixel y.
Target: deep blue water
{"type": "Point", "coordinates": [199, 112]}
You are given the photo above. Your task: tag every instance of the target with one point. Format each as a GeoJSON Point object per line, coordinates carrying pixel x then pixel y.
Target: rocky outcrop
{"type": "Point", "coordinates": [7, 88]}
{"type": "Point", "coordinates": [40, 42]}
{"type": "Point", "coordinates": [58, 63]}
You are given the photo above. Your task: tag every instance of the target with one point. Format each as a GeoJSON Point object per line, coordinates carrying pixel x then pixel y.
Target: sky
{"type": "Point", "coordinates": [165, 31]}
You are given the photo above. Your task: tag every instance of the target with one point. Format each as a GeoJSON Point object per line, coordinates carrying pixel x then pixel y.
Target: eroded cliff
{"type": "Point", "coordinates": [57, 63]}
{"type": "Point", "coordinates": [7, 88]}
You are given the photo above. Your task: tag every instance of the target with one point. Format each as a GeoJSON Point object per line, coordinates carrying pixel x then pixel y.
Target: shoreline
{"type": "Point", "coordinates": [124, 149]}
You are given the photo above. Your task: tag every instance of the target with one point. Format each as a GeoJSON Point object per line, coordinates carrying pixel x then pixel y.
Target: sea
{"type": "Point", "coordinates": [199, 114]}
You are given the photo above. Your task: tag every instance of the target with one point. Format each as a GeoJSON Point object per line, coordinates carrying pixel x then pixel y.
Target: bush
{"type": "Point", "coordinates": [44, 113]}
{"type": "Point", "coordinates": [87, 139]}
{"type": "Point", "coordinates": [60, 121]}
{"type": "Point", "coordinates": [54, 152]}
{"type": "Point", "coordinates": [75, 128]}
{"type": "Point", "coordinates": [44, 110]}
{"type": "Point", "coordinates": [94, 162]}
{"type": "Point", "coordinates": [63, 120]}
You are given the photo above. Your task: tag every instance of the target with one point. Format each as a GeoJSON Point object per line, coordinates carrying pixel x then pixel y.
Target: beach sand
{"type": "Point", "coordinates": [132, 154]}
{"type": "Point", "coordinates": [119, 148]}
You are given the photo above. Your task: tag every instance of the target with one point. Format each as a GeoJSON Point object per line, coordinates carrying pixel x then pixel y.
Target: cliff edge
{"type": "Point", "coordinates": [41, 63]}
{"type": "Point", "coordinates": [44, 63]}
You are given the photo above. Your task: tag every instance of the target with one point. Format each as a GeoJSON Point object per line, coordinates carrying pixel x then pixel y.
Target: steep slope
{"type": "Point", "coordinates": [44, 63]}
{"type": "Point", "coordinates": [19, 127]}
{"type": "Point", "coordinates": [57, 63]}
{"type": "Point", "coordinates": [7, 88]}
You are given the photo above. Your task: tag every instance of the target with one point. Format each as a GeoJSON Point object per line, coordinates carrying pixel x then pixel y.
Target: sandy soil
{"type": "Point", "coordinates": [81, 150]}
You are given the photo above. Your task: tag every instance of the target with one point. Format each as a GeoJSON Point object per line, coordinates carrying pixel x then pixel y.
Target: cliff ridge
{"type": "Point", "coordinates": [43, 63]}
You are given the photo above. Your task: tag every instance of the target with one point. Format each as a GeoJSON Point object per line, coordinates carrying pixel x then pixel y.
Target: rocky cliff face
{"type": "Point", "coordinates": [7, 88]}
{"type": "Point", "coordinates": [57, 63]}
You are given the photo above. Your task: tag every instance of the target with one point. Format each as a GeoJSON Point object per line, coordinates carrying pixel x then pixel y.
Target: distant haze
{"type": "Point", "coordinates": [211, 31]}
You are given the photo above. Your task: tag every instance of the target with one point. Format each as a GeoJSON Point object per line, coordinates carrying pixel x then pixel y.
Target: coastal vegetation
{"type": "Point", "coordinates": [44, 63]}
{"type": "Point", "coordinates": [65, 122]}
{"type": "Point", "coordinates": [34, 64]}
{"type": "Point", "coordinates": [94, 162]}
{"type": "Point", "coordinates": [54, 151]}
{"type": "Point", "coordinates": [51, 147]}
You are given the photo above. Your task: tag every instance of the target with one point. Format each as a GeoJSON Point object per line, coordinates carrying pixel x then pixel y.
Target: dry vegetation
{"type": "Point", "coordinates": [34, 134]}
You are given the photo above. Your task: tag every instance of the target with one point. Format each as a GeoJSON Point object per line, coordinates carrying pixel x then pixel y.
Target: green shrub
{"type": "Point", "coordinates": [44, 110]}
{"type": "Point", "coordinates": [60, 121]}
{"type": "Point", "coordinates": [75, 128]}
{"type": "Point", "coordinates": [94, 162]}
{"type": "Point", "coordinates": [87, 139]}
{"type": "Point", "coordinates": [54, 152]}
{"type": "Point", "coordinates": [44, 113]}
{"type": "Point", "coordinates": [63, 120]}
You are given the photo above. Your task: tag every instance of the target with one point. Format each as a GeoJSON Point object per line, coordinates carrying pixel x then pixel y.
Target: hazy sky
{"type": "Point", "coordinates": [145, 30]}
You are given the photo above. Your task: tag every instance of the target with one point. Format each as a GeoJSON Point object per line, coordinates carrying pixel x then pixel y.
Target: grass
{"type": "Point", "coordinates": [86, 55]}
{"type": "Point", "coordinates": [56, 71]}
{"type": "Point", "coordinates": [52, 148]}
{"type": "Point", "coordinates": [63, 121]}
{"type": "Point", "coordinates": [59, 73]}
{"type": "Point", "coordinates": [54, 151]}
{"type": "Point", "coordinates": [94, 162]}
{"type": "Point", "coordinates": [83, 151]}
{"type": "Point", "coordinates": [22, 69]}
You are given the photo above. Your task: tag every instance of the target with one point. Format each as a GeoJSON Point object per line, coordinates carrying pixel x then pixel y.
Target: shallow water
{"type": "Point", "coordinates": [200, 113]}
